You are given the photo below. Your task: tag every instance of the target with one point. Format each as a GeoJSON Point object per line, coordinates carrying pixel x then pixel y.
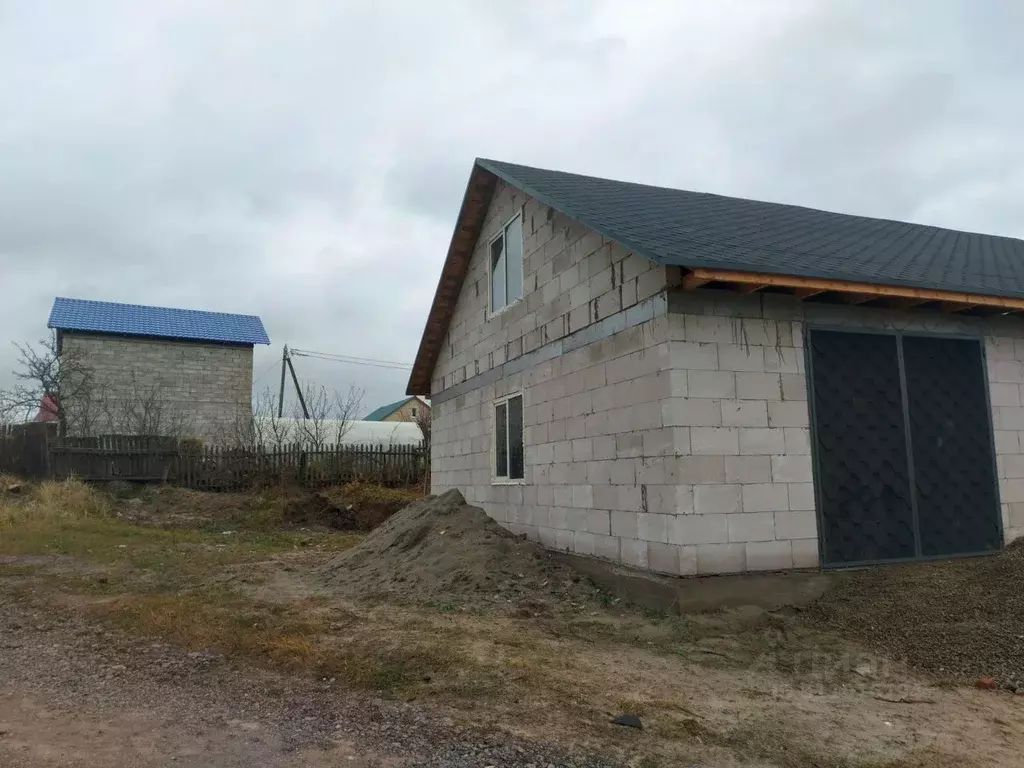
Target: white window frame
{"type": "Point", "coordinates": [491, 311]}
{"type": "Point", "coordinates": [495, 478]}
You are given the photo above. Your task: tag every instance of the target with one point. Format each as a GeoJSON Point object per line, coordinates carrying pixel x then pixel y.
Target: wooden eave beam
{"type": "Point", "coordinates": [804, 287]}
{"type": "Point", "coordinates": [750, 287]}
{"type": "Point", "coordinates": [692, 281]}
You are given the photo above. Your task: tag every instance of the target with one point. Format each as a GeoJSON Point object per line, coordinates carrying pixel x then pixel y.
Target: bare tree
{"type": "Point", "coordinates": [249, 429]}
{"type": "Point", "coordinates": [141, 409]}
{"type": "Point", "coordinates": [55, 378]}
{"type": "Point", "coordinates": [263, 427]}
{"type": "Point", "coordinates": [423, 419]}
{"type": "Point", "coordinates": [346, 410]}
{"type": "Point", "coordinates": [315, 430]}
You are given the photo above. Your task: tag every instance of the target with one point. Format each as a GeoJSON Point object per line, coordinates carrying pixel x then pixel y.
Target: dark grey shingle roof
{"type": "Point", "coordinates": [694, 229]}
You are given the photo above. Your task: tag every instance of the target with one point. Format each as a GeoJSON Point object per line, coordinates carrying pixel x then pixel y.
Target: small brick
{"type": "Point", "coordinates": [796, 525]}
{"type": "Point", "coordinates": [801, 496]}
{"type": "Point", "coordinates": [624, 524]}
{"type": "Point", "coordinates": [751, 526]}
{"type": "Point", "coordinates": [805, 553]}
{"type": "Point", "coordinates": [652, 527]}
{"type": "Point", "coordinates": [717, 499]}
{"type": "Point", "coordinates": [744, 413]}
{"type": "Point", "coordinates": [715, 441]}
{"type": "Point", "coordinates": [765, 497]}
{"type": "Point", "coordinates": [789, 414]}
{"type": "Point", "coordinates": [769, 555]}
{"type": "Point", "coordinates": [711, 384]}
{"type": "Point", "coordinates": [748, 469]}
{"type": "Point", "coordinates": [795, 468]}
{"type": "Point", "coordinates": [758, 441]}
{"type": "Point", "coordinates": [721, 558]}
{"type": "Point", "coordinates": [699, 529]}
{"type": "Point", "coordinates": [663, 558]}
{"type": "Point", "coordinates": [733, 357]}
{"type": "Point", "coordinates": [758, 386]}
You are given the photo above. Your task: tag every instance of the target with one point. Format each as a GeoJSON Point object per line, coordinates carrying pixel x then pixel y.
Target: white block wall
{"type": "Point", "coordinates": [572, 278]}
{"type": "Point", "coordinates": [680, 444]}
{"type": "Point", "coordinates": [204, 389]}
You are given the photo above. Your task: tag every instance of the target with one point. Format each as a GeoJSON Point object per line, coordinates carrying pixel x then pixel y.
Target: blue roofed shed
{"type": "Point", "coordinates": [159, 370]}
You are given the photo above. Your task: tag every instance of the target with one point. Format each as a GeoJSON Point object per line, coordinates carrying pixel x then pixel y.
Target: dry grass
{"type": "Point", "coordinates": [53, 502]}
{"type": "Point", "coordinates": [303, 636]}
{"type": "Point", "coordinates": [560, 676]}
{"type": "Point", "coordinates": [370, 493]}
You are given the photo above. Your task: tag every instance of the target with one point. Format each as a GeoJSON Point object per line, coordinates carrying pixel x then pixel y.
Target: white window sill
{"type": "Point", "coordinates": [499, 312]}
{"type": "Point", "coordinates": [499, 481]}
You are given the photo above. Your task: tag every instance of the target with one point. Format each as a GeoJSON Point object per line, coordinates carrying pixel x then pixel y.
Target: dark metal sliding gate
{"type": "Point", "coordinates": [904, 461]}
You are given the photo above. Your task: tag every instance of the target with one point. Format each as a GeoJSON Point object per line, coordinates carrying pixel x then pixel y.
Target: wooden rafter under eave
{"type": "Point", "coordinates": [805, 287]}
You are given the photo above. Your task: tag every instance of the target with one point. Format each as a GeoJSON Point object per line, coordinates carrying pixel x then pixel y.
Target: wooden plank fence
{"type": "Point", "coordinates": [154, 459]}
{"type": "Point", "coordinates": [23, 449]}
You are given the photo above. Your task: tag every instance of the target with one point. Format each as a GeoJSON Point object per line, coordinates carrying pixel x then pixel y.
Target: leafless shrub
{"type": "Point", "coordinates": [60, 380]}
{"type": "Point", "coordinates": [314, 428]}
{"type": "Point", "coordinates": [142, 409]}
{"type": "Point", "coordinates": [346, 410]}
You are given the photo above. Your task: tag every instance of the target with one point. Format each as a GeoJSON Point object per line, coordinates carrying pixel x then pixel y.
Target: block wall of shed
{"type": "Point", "coordinates": [206, 388]}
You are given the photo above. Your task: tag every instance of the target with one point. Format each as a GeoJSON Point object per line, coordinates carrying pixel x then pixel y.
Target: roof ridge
{"type": "Point", "coordinates": [487, 163]}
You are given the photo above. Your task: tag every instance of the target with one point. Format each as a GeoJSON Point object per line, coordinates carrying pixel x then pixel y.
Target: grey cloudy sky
{"type": "Point", "coordinates": [305, 161]}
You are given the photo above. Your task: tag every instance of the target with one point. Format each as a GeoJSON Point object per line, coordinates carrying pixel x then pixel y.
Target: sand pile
{"type": "Point", "coordinates": [442, 550]}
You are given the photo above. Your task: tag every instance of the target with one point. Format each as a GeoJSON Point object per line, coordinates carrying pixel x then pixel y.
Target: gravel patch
{"type": "Point", "coordinates": [240, 715]}
{"type": "Point", "coordinates": [959, 619]}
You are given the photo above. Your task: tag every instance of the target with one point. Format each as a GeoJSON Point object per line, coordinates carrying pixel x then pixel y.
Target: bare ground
{"type": "Point", "coordinates": [200, 648]}
{"type": "Point", "coordinates": [75, 694]}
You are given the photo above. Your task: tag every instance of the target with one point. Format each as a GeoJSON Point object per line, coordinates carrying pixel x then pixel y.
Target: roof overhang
{"type": "Point", "coordinates": [480, 188]}
{"type": "Point", "coordinates": [456, 264]}
{"type": "Point", "coordinates": [818, 289]}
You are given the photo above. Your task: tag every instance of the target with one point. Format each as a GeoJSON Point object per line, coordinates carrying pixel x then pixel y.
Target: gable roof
{"type": "Point", "coordinates": [379, 414]}
{"type": "Point", "coordinates": [159, 322]}
{"type": "Point", "coordinates": [696, 229]}
{"type": "Point", "coordinates": [699, 232]}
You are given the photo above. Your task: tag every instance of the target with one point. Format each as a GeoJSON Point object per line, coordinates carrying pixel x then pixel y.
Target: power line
{"type": "Point", "coordinates": [268, 369]}
{"type": "Point", "coordinates": [351, 360]}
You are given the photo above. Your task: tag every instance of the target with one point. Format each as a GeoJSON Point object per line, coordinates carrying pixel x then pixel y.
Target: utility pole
{"type": "Point", "coordinates": [298, 389]}
{"type": "Point", "coordinates": [286, 360]}
{"type": "Point", "coordinates": [280, 397]}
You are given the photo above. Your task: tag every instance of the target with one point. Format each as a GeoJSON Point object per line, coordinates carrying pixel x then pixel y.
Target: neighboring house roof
{"type": "Point", "coordinates": [160, 322]}
{"type": "Point", "coordinates": [702, 232]}
{"type": "Point", "coordinates": [47, 409]}
{"type": "Point", "coordinates": [379, 414]}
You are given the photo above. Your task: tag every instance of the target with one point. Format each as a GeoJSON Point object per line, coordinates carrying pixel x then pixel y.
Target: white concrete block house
{"type": "Point", "coordinates": [695, 384]}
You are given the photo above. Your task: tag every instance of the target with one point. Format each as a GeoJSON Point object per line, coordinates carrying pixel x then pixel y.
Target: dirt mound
{"type": "Point", "coordinates": [318, 509]}
{"type": "Point", "coordinates": [442, 550]}
{"type": "Point", "coordinates": [166, 506]}
{"type": "Point", "coordinates": [961, 619]}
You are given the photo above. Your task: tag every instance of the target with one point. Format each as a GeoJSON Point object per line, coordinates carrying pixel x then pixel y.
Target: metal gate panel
{"type": "Point", "coordinates": [953, 463]}
{"type": "Point", "coordinates": [863, 477]}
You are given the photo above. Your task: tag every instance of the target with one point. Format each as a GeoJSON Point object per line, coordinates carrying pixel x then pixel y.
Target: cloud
{"type": "Point", "coordinates": [308, 166]}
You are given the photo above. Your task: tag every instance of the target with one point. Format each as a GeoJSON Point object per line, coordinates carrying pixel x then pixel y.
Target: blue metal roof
{"type": "Point", "coordinates": [160, 322]}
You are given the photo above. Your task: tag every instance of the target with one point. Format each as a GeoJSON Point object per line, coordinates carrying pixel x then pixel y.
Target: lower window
{"type": "Point", "coordinates": [508, 438]}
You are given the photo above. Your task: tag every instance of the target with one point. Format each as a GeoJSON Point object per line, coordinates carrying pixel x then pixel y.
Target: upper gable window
{"type": "Point", "coordinates": [507, 265]}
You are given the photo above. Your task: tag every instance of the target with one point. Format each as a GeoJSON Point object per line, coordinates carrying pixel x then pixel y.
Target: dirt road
{"type": "Point", "coordinates": [73, 695]}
